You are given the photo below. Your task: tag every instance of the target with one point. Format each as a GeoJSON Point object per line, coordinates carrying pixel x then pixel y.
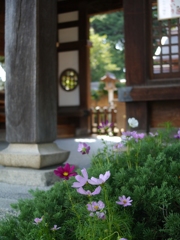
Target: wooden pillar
{"type": "Point", "coordinates": [84, 65]}
{"type": "Point", "coordinates": [2, 18]}
{"type": "Point", "coordinates": [136, 58]}
{"type": "Point", "coordinates": [30, 99]}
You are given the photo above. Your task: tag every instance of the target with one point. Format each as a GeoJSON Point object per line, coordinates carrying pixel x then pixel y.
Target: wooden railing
{"type": "Point", "coordinates": [100, 115]}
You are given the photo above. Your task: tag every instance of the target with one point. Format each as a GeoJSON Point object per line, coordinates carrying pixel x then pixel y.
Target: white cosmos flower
{"type": "Point", "coordinates": [133, 122]}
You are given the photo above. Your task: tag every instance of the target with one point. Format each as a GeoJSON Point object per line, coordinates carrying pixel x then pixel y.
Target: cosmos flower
{"type": "Point", "coordinates": [177, 135]}
{"type": "Point", "coordinates": [102, 179]}
{"type": "Point", "coordinates": [137, 136]}
{"type": "Point", "coordinates": [133, 122]}
{"type": "Point", "coordinates": [105, 125]}
{"type": "Point", "coordinates": [127, 133]}
{"type": "Point", "coordinates": [89, 193]}
{"type": "Point", "coordinates": [101, 215]}
{"type": "Point", "coordinates": [95, 206]}
{"type": "Point", "coordinates": [38, 220]}
{"type": "Point", "coordinates": [65, 172]}
{"type": "Point", "coordinates": [153, 134]}
{"type": "Point", "coordinates": [55, 228]}
{"type": "Point", "coordinates": [83, 148]}
{"type": "Point", "coordinates": [124, 201]}
{"type": "Point", "coordinates": [81, 181]}
{"type": "Point", "coordinates": [118, 146]}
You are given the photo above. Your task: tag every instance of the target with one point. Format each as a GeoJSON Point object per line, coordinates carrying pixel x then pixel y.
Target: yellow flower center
{"type": "Point", "coordinates": [96, 207]}
{"type": "Point", "coordinates": [65, 173]}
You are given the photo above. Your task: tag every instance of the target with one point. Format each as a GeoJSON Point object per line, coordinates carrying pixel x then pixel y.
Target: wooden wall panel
{"type": "Point", "coordinates": [2, 22]}
{"type": "Point", "coordinates": [164, 111]}
{"type": "Point", "coordinates": [136, 58]}
{"type": "Point", "coordinates": [135, 30]}
{"type": "Point", "coordinates": [138, 110]}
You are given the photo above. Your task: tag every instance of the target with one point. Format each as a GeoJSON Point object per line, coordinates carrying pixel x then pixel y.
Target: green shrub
{"type": "Point", "coordinates": [148, 172]}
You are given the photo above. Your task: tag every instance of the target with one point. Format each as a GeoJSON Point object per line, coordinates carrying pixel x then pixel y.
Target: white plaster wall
{"type": "Point", "coordinates": [68, 35]}
{"type": "Point", "coordinates": [68, 17]}
{"type": "Point", "coordinates": [68, 60]}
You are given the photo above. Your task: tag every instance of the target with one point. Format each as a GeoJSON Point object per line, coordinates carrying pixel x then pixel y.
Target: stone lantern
{"type": "Point", "coordinates": [109, 79]}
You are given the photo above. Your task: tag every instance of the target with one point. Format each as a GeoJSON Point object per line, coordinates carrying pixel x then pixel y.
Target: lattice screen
{"type": "Point", "coordinates": [165, 46]}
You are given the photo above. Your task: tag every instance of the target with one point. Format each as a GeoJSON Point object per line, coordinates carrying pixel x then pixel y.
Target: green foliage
{"type": "Point", "coordinates": [2, 59]}
{"type": "Point", "coordinates": [111, 26]}
{"type": "Point", "coordinates": [100, 57]}
{"type": "Point", "coordinates": [148, 171]}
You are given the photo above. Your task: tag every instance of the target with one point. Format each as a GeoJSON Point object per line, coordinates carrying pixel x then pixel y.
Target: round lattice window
{"type": "Point", "coordinates": [69, 79]}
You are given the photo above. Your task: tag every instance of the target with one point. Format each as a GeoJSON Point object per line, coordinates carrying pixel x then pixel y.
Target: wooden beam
{"type": "Point", "coordinates": [66, 6]}
{"type": "Point", "coordinates": [149, 93]}
{"type": "Point", "coordinates": [154, 93]}
{"type": "Point", "coordinates": [61, 47]}
{"type": "Point", "coordinates": [68, 24]}
{"type": "Point", "coordinates": [94, 6]}
{"type": "Point", "coordinates": [101, 6]}
{"type": "Point", "coordinates": [67, 46]}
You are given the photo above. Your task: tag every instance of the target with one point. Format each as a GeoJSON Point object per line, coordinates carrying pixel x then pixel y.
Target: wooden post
{"type": "Point", "coordinates": [136, 58]}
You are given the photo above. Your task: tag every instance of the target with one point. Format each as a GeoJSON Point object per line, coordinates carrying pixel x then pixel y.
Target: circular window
{"type": "Point", "coordinates": [69, 79]}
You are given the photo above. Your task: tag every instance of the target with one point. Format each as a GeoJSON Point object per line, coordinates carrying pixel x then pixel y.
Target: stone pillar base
{"type": "Point", "coordinates": [28, 176]}
{"type": "Point", "coordinates": [33, 155]}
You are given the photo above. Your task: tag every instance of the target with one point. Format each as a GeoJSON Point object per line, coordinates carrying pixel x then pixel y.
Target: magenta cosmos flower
{"type": "Point", "coordinates": [124, 201]}
{"type": "Point", "coordinates": [83, 148]}
{"type": "Point", "coordinates": [89, 193]}
{"type": "Point", "coordinates": [81, 181]}
{"type": "Point", "coordinates": [65, 172]}
{"type": "Point", "coordinates": [102, 179]}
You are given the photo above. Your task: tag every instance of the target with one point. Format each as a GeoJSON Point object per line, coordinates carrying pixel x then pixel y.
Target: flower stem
{"type": "Point", "coordinates": [111, 235]}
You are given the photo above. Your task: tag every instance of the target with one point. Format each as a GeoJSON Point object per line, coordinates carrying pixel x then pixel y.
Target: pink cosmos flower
{"type": "Point", "coordinates": [153, 134]}
{"type": "Point", "coordinates": [124, 201]}
{"type": "Point", "coordinates": [177, 135]}
{"type": "Point", "coordinates": [95, 206]}
{"type": "Point", "coordinates": [101, 215]}
{"type": "Point", "coordinates": [55, 228]}
{"type": "Point", "coordinates": [102, 179]}
{"type": "Point", "coordinates": [38, 220]}
{"type": "Point", "coordinates": [65, 172]}
{"type": "Point", "coordinates": [126, 136]}
{"type": "Point", "coordinates": [89, 193]}
{"type": "Point", "coordinates": [81, 181]}
{"type": "Point", "coordinates": [123, 239]}
{"type": "Point", "coordinates": [83, 148]}
{"type": "Point", "coordinates": [105, 125]}
{"type": "Point", "coordinates": [118, 146]}
{"type": "Point", "coordinates": [127, 133]}
{"type": "Point", "coordinates": [137, 136]}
